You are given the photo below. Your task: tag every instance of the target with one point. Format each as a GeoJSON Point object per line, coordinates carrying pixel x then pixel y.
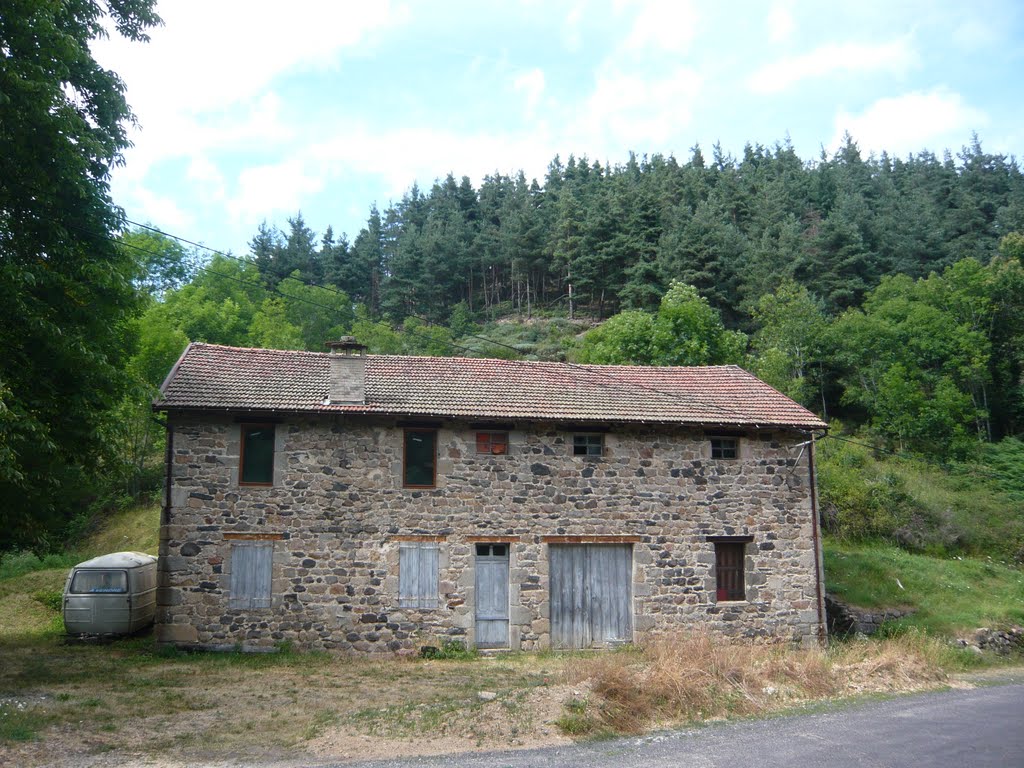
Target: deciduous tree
{"type": "Point", "coordinates": [66, 286]}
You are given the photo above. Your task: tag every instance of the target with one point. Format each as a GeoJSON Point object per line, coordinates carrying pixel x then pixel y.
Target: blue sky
{"type": "Point", "coordinates": [255, 110]}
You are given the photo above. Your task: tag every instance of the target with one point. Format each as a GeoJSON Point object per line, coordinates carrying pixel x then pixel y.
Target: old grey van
{"type": "Point", "coordinates": [111, 595]}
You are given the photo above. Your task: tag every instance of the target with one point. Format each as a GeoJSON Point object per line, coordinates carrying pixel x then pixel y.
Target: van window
{"type": "Point", "coordinates": [99, 582]}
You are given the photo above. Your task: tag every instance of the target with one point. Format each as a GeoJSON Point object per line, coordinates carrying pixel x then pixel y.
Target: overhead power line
{"type": "Point", "coordinates": [592, 371]}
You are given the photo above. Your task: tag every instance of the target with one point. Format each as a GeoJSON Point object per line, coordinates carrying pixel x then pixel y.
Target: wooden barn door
{"type": "Point", "coordinates": [492, 595]}
{"type": "Point", "coordinates": [591, 595]}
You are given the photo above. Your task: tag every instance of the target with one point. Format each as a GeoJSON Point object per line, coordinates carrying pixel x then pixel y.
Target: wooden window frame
{"type": "Point", "coordinates": [585, 440]}
{"type": "Point", "coordinates": [726, 548]}
{"type": "Point", "coordinates": [721, 449]}
{"type": "Point", "coordinates": [405, 457]}
{"type": "Point", "coordinates": [427, 599]}
{"type": "Point", "coordinates": [493, 447]}
{"type": "Point", "coordinates": [486, 549]}
{"type": "Point", "coordinates": [242, 429]}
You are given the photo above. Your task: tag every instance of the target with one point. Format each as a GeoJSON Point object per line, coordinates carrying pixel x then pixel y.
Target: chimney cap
{"type": "Point", "coordinates": [345, 344]}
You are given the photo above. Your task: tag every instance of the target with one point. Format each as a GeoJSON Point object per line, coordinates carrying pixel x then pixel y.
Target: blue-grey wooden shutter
{"type": "Point", "coordinates": [251, 572]}
{"type": "Point", "coordinates": [417, 575]}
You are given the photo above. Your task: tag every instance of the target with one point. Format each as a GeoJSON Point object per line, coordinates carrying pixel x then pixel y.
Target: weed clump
{"type": "Point", "coordinates": [452, 650]}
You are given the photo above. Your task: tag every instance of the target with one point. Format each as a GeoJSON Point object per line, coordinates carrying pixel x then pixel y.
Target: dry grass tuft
{"type": "Point", "coordinates": [699, 676]}
{"type": "Point", "coordinates": [908, 662]}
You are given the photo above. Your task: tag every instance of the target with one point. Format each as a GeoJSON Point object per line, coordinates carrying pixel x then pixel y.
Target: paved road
{"type": "Point", "coordinates": [980, 728]}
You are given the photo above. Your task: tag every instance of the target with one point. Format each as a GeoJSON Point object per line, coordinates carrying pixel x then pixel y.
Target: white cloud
{"type": "Point", "coordinates": [911, 122]}
{"type": "Point", "coordinates": [781, 24]}
{"type": "Point", "coordinates": [629, 110]}
{"type": "Point", "coordinates": [395, 157]}
{"type": "Point", "coordinates": [208, 54]}
{"type": "Point", "coordinates": [531, 85]}
{"type": "Point", "coordinates": [146, 206]}
{"type": "Point", "coordinates": [894, 57]}
{"type": "Point", "coordinates": [402, 155]}
{"type": "Point", "coordinates": [974, 34]}
{"type": "Point", "coordinates": [572, 36]}
{"type": "Point", "coordinates": [204, 80]}
{"type": "Point", "coordinates": [276, 188]}
{"type": "Point", "coordinates": [208, 179]}
{"type": "Point", "coordinates": [666, 25]}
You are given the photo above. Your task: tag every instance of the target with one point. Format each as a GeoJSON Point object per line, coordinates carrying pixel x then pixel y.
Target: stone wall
{"type": "Point", "coordinates": [337, 513]}
{"type": "Point", "coordinates": [844, 619]}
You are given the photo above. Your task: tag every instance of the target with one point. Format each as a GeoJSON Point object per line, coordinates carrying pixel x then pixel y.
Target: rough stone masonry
{"type": "Point", "coordinates": [337, 513]}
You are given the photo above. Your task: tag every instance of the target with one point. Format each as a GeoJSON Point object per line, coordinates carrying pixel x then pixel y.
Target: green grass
{"type": "Point", "coordinates": [135, 529]}
{"type": "Point", "coordinates": [20, 721]}
{"type": "Point", "coordinates": [948, 595]}
{"type": "Point", "coordinates": [15, 564]}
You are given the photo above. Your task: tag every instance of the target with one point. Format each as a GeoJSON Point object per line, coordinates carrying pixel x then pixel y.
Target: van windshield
{"type": "Point", "coordinates": [99, 582]}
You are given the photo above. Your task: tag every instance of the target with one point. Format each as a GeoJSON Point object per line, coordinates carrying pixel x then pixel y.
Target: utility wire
{"type": "Point", "coordinates": [591, 371]}
{"type": "Point", "coordinates": [689, 400]}
{"type": "Point", "coordinates": [597, 371]}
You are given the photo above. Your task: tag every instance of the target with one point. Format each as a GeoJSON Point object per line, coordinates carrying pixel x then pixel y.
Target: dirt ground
{"type": "Point", "coordinates": [125, 703]}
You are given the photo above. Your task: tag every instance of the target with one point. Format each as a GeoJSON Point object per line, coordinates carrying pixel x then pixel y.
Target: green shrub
{"type": "Point", "coordinates": [964, 509]}
{"type": "Point", "coordinates": [51, 598]}
{"type": "Point", "coordinates": [455, 650]}
{"type": "Point", "coordinates": [1004, 461]}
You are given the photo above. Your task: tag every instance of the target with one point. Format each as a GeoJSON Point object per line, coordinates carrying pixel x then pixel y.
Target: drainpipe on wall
{"type": "Point", "coordinates": [165, 519]}
{"type": "Point", "coordinates": [165, 511]}
{"type": "Point", "coordinates": [819, 575]}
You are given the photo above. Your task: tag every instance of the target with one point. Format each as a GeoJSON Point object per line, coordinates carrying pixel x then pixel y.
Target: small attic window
{"type": "Point", "coordinates": [494, 443]}
{"type": "Point", "coordinates": [725, 448]}
{"type": "Point", "coordinates": [588, 445]}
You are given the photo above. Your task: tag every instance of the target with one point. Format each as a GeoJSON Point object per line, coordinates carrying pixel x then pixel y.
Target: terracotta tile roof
{"type": "Point", "coordinates": [212, 377]}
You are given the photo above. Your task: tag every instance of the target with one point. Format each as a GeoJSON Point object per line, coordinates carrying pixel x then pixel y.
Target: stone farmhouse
{"type": "Point", "coordinates": [379, 503]}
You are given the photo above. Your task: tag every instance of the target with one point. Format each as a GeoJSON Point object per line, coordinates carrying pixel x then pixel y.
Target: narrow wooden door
{"type": "Point", "coordinates": [492, 595]}
{"type": "Point", "coordinates": [591, 595]}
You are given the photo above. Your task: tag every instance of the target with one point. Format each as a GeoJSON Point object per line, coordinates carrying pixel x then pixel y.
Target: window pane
{"type": "Point", "coordinates": [99, 582]}
{"type": "Point", "coordinates": [724, 448]}
{"type": "Point", "coordinates": [495, 443]}
{"type": "Point", "coordinates": [419, 458]}
{"type": "Point", "coordinates": [257, 454]}
{"type": "Point", "coordinates": [587, 445]}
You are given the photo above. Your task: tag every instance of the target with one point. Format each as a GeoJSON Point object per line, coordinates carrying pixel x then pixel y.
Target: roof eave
{"type": "Point", "coordinates": [357, 411]}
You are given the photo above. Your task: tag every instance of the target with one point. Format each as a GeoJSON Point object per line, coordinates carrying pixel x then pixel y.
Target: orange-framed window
{"type": "Point", "coordinates": [256, 460]}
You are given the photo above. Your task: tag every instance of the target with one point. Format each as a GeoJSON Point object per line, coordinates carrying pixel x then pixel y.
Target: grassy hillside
{"type": "Point", "coordinates": [949, 596]}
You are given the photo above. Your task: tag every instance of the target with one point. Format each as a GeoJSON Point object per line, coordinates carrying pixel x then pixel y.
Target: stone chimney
{"type": "Point", "coordinates": [348, 371]}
